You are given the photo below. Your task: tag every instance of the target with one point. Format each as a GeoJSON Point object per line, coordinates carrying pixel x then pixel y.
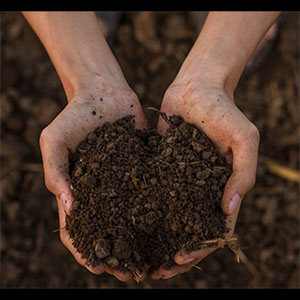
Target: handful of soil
{"type": "Point", "coordinates": [141, 197]}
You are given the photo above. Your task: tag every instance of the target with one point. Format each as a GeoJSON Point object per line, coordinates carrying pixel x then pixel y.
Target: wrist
{"type": "Point", "coordinates": [95, 80]}
{"type": "Point", "coordinates": [206, 74]}
{"type": "Point", "coordinates": [78, 50]}
{"type": "Point", "coordinates": [88, 68]}
{"type": "Point", "coordinates": [224, 47]}
{"type": "Point", "coordinates": [206, 68]}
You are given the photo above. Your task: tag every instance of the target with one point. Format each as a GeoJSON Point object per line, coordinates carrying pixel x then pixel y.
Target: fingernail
{"type": "Point", "coordinates": [96, 270]}
{"type": "Point", "coordinates": [172, 275]}
{"type": "Point", "coordinates": [188, 260]}
{"type": "Point", "coordinates": [234, 202]}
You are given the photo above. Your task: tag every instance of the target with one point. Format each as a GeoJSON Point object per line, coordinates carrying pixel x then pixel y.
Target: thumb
{"type": "Point", "coordinates": [55, 157]}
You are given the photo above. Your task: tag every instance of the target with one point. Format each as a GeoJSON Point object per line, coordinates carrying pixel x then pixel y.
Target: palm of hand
{"type": "Point", "coordinates": [209, 109]}
{"type": "Point", "coordinates": [234, 136]}
{"type": "Point", "coordinates": [86, 111]}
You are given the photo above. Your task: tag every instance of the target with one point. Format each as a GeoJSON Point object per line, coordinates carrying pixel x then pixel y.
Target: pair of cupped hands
{"type": "Point", "coordinates": [207, 106]}
{"type": "Point", "coordinates": [201, 93]}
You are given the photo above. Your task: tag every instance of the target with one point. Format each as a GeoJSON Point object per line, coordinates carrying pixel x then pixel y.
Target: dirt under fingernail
{"type": "Point", "coordinates": [141, 197]}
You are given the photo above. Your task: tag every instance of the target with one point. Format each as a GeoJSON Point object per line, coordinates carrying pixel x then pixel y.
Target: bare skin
{"type": "Point", "coordinates": [213, 112]}
{"type": "Point", "coordinates": [202, 93]}
{"type": "Point", "coordinates": [82, 115]}
{"type": "Point", "coordinates": [96, 91]}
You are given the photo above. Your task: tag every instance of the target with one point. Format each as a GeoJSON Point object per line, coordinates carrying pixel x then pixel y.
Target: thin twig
{"type": "Point", "coordinates": [162, 114]}
{"type": "Point", "coordinates": [280, 170]}
{"type": "Point", "coordinates": [195, 266]}
{"type": "Point", "coordinates": [58, 229]}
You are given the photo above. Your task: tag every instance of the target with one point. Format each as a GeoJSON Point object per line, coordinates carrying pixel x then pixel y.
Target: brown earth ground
{"type": "Point", "coordinates": [31, 96]}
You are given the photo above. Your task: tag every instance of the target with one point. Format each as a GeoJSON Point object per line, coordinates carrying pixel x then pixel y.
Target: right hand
{"type": "Point", "coordinates": [236, 139]}
{"type": "Point", "coordinates": [86, 110]}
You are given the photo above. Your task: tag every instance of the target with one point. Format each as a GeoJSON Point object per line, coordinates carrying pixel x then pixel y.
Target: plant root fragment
{"type": "Point", "coordinates": [231, 243]}
{"type": "Point", "coordinates": [162, 114]}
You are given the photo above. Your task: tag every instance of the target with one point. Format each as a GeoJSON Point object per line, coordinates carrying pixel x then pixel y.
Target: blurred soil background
{"type": "Point", "coordinates": [150, 48]}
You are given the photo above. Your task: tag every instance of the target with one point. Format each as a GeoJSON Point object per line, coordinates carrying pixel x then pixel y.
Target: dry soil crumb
{"type": "Point", "coordinates": [141, 197]}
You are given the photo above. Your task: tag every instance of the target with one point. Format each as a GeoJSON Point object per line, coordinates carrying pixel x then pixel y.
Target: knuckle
{"type": "Point", "coordinates": [44, 137]}
{"type": "Point", "coordinates": [254, 133]}
{"type": "Point", "coordinates": [252, 180]}
{"type": "Point", "coordinates": [49, 183]}
{"type": "Point", "coordinates": [249, 137]}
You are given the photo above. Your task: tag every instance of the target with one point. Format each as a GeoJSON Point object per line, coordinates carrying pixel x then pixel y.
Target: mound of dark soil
{"type": "Point", "coordinates": [141, 197]}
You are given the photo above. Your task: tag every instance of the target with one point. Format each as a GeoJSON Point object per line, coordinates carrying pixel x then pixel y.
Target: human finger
{"type": "Point", "coordinates": [242, 179]}
{"type": "Point", "coordinates": [55, 157]}
{"type": "Point", "coordinates": [122, 276]}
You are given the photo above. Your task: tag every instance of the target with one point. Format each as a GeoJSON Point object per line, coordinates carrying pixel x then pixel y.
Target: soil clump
{"type": "Point", "coordinates": [32, 96]}
{"type": "Point", "coordinates": [141, 197]}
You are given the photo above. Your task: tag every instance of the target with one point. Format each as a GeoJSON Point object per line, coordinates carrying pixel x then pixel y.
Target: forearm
{"type": "Point", "coordinates": [225, 45]}
{"type": "Point", "coordinates": [77, 49]}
